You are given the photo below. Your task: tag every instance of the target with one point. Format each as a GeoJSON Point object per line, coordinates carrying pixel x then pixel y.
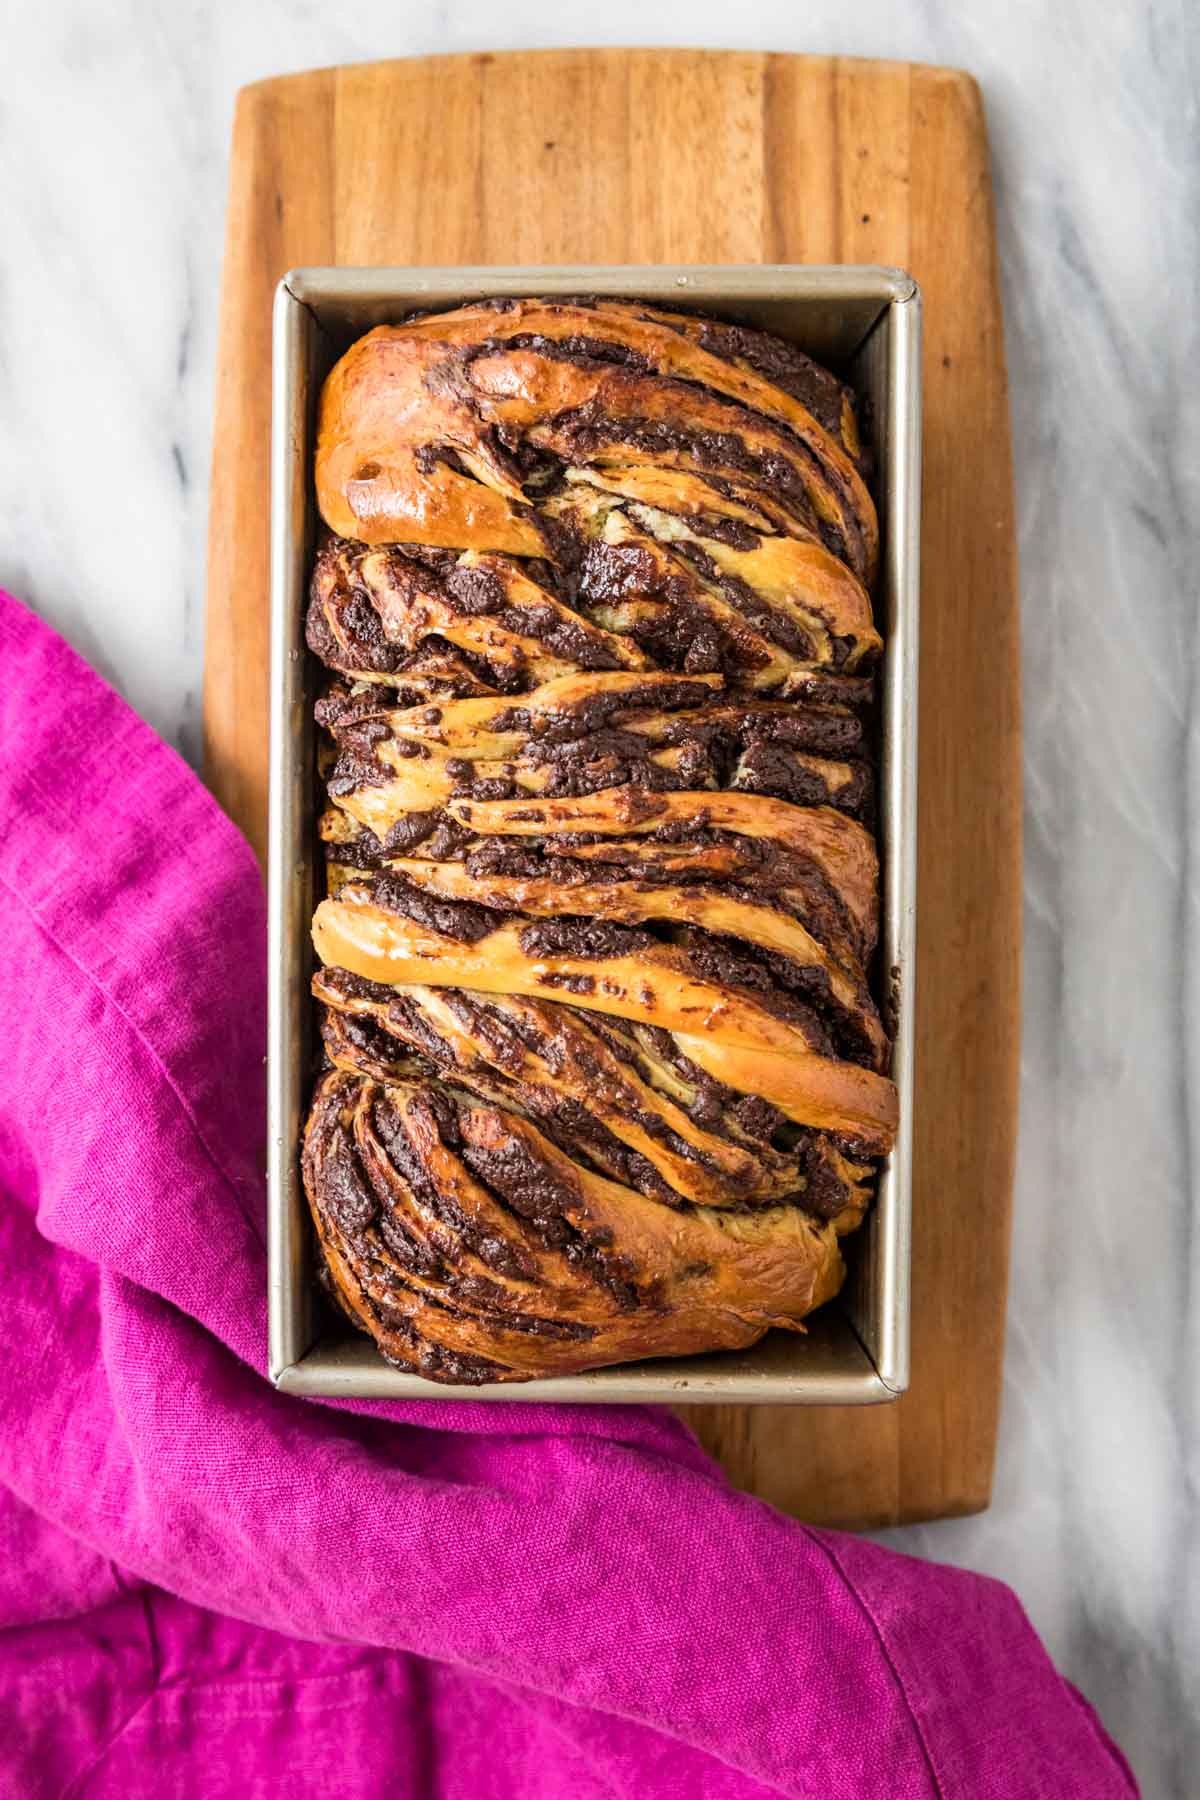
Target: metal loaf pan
{"type": "Point", "coordinates": [866, 322]}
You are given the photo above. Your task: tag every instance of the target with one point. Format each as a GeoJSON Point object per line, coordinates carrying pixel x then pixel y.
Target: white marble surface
{"type": "Point", "coordinates": [114, 126]}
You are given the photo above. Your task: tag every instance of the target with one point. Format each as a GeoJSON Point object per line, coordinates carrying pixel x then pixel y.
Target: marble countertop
{"type": "Point", "coordinates": [112, 249]}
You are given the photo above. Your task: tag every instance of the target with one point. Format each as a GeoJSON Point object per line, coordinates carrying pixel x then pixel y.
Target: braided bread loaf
{"type": "Point", "coordinates": [605, 1077]}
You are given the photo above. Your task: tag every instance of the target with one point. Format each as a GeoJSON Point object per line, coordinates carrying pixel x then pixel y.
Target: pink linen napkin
{"type": "Point", "coordinates": [211, 1589]}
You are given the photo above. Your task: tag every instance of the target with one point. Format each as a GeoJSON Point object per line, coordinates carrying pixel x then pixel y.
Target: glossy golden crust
{"type": "Point", "coordinates": [474, 1250]}
{"type": "Point", "coordinates": [606, 1075]}
{"type": "Point", "coordinates": [422, 425]}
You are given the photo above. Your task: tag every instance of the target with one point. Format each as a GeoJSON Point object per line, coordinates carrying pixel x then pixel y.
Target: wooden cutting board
{"type": "Point", "coordinates": [687, 156]}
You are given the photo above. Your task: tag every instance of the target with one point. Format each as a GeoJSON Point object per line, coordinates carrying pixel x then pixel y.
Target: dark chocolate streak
{"type": "Point", "coordinates": [528, 1187]}
{"type": "Point", "coordinates": [459, 919]}
{"type": "Point", "coordinates": [782, 364]}
{"type": "Point", "coordinates": [588, 428]}
{"type": "Point", "coordinates": [374, 1042]}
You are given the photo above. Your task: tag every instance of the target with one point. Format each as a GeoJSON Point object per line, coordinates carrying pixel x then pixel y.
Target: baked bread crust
{"type": "Point", "coordinates": [605, 1076]}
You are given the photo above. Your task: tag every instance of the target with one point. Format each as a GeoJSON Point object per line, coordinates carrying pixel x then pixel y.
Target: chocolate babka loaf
{"type": "Point", "coordinates": [604, 1076]}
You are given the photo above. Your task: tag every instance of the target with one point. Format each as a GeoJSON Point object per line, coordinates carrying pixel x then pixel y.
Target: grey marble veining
{"type": "Point", "coordinates": [114, 125]}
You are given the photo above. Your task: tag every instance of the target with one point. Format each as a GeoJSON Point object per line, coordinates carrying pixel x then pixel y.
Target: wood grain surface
{"type": "Point", "coordinates": [681, 156]}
